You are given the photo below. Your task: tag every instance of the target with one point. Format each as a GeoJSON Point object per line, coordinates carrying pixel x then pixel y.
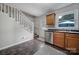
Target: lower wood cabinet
{"type": "Point", "coordinates": [58, 39]}
{"type": "Point", "coordinates": [69, 41]}
{"type": "Point", "coordinates": [72, 42]}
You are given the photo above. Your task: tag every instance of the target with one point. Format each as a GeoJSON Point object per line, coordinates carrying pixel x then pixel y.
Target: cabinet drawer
{"type": "Point", "coordinates": [72, 36]}
{"type": "Point", "coordinates": [58, 33]}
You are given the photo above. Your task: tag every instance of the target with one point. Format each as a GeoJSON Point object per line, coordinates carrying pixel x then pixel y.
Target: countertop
{"type": "Point", "coordinates": [62, 30]}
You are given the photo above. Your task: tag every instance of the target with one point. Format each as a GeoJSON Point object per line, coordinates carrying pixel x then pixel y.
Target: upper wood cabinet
{"type": "Point", "coordinates": [50, 19]}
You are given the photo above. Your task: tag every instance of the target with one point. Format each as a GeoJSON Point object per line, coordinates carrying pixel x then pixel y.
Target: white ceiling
{"type": "Point", "coordinates": [38, 9]}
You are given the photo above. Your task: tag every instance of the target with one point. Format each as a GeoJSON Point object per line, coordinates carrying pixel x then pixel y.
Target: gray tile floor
{"type": "Point", "coordinates": [26, 48]}
{"type": "Point", "coordinates": [32, 47]}
{"type": "Point", "coordinates": [48, 50]}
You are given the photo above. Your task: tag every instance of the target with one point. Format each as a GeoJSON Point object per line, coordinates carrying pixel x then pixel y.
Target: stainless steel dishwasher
{"type": "Point", "coordinates": [49, 37]}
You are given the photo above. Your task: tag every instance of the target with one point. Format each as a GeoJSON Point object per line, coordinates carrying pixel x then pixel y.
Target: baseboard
{"type": "Point", "coordinates": [54, 46]}
{"type": "Point", "coordinates": [42, 37]}
{"type": "Point", "coordinates": [60, 49]}
{"type": "Point", "coordinates": [49, 43]}
{"type": "Point", "coordinates": [14, 44]}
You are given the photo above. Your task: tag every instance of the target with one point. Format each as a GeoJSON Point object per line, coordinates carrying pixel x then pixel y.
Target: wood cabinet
{"type": "Point", "coordinates": [69, 41]}
{"type": "Point", "coordinates": [50, 19]}
{"type": "Point", "coordinates": [59, 39]}
{"type": "Point", "coordinates": [72, 42]}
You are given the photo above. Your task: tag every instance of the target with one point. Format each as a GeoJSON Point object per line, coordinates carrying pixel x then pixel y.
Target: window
{"type": "Point", "coordinates": [66, 20]}
{"type": "Point", "coordinates": [0, 7]}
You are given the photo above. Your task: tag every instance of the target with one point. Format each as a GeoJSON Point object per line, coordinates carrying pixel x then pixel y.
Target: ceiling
{"type": "Point", "coordinates": [38, 9]}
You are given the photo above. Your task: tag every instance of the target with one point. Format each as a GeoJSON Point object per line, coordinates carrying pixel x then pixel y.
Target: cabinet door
{"type": "Point", "coordinates": [59, 39]}
{"type": "Point", "coordinates": [72, 42]}
{"type": "Point", "coordinates": [50, 19]}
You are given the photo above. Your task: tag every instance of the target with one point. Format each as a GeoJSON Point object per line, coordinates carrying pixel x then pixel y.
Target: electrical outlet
{"type": "Point", "coordinates": [22, 37]}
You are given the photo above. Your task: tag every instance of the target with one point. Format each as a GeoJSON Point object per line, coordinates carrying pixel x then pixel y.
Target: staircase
{"type": "Point", "coordinates": [18, 16]}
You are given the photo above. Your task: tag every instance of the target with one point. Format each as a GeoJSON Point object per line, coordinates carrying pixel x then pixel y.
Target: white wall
{"type": "Point", "coordinates": [40, 24]}
{"type": "Point", "coordinates": [11, 32]}
{"type": "Point", "coordinates": [68, 8]}
{"type": "Point", "coordinates": [36, 26]}
{"type": "Point", "coordinates": [30, 17]}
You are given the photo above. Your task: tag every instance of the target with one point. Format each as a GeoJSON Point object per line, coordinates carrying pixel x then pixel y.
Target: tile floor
{"type": "Point", "coordinates": [48, 50]}
{"type": "Point", "coordinates": [26, 48]}
{"type": "Point", "coordinates": [33, 47]}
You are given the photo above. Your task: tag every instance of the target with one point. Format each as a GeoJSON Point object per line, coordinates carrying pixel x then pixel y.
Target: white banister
{"type": "Point", "coordinates": [0, 7]}
{"type": "Point", "coordinates": [6, 9]}
{"type": "Point", "coordinates": [18, 16]}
